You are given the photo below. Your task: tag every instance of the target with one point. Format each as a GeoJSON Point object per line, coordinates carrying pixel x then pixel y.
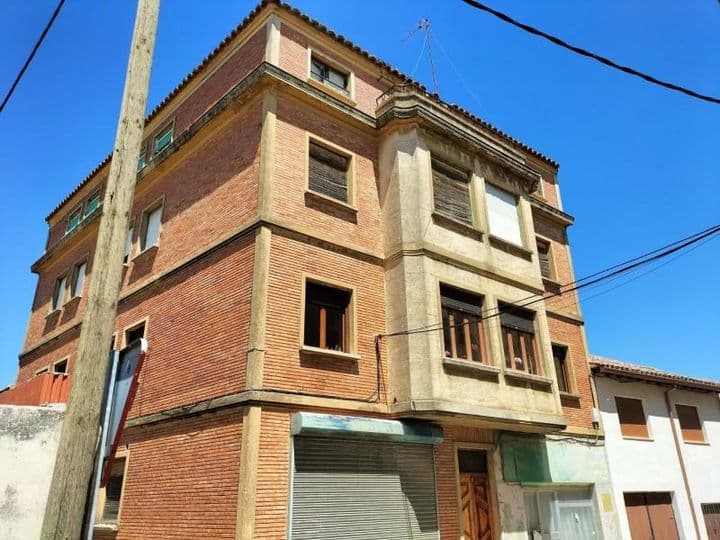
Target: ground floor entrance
{"type": "Point", "coordinates": [651, 516]}
{"type": "Point", "coordinates": [476, 500]}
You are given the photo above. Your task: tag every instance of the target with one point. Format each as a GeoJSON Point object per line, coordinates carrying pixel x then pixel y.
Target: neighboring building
{"type": "Point", "coordinates": [663, 443]}
{"type": "Point", "coordinates": [317, 247]}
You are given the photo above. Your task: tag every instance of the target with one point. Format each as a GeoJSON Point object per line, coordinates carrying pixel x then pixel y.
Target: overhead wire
{"type": "Point", "coordinates": [32, 55]}
{"type": "Point", "coordinates": [594, 56]}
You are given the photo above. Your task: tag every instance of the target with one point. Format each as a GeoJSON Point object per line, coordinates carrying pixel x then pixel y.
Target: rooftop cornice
{"type": "Point", "coordinates": [615, 368]}
{"type": "Point", "coordinates": [552, 213]}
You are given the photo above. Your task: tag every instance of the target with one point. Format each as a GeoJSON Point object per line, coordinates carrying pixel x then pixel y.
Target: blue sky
{"type": "Point", "coordinates": [639, 164]}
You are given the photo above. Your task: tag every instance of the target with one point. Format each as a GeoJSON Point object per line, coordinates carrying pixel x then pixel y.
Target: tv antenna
{"type": "Point", "coordinates": [424, 26]}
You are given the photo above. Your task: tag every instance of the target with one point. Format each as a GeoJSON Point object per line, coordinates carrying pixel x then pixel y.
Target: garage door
{"type": "Point", "coordinates": [355, 489]}
{"type": "Point", "coordinates": [651, 516]}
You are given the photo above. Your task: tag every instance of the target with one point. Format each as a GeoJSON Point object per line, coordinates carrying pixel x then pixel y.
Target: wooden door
{"type": "Point", "coordinates": [651, 516]}
{"type": "Point", "coordinates": [476, 506]}
{"type": "Point", "coordinates": [712, 520]}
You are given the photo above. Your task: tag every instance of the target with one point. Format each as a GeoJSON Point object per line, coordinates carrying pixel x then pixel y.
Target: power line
{"type": "Point", "coordinates": [584, 52]}
{"type": "Point", "coordinates": [610, 273]}
{"type": "Point", "coordinates": [32, 54]}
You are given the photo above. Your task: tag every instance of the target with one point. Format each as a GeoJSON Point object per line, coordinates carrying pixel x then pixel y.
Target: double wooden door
{"type": "Point", "coordinates": [651, 516]}
{"type": "Point", "coordinates": [476, 506]}
{"type": "Point", "coordinates": [711, 512]}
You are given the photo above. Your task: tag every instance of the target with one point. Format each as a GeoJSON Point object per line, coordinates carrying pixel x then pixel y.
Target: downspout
{"type": "Point", "coordinates": [681, 460]}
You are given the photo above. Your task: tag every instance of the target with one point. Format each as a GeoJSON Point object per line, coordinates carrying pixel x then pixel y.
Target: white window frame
{"type": "Point", "coordinates": [498, 207]}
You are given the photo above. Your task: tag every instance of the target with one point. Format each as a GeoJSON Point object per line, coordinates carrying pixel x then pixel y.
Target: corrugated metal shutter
{"type": "Point", "coordinates": [355, 489]}
{"type": "Point", "coordinates": [328, 172]}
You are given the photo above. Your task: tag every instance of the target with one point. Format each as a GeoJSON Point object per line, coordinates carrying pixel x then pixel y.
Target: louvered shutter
{"type": "Point", "coordinates": [544, 258]}
{"type": "Point", "coordinates": [451, 192]}
{"type": "Point", "coordinates": [356, 489]}
{"type": "Point", "coordinates": [328, 172]}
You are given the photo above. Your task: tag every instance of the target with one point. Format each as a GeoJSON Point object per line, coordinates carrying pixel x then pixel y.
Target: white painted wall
{"type": "Point", "coordinates": [29, 438]}
{"type": "Point", "coordinates": [653, 465]}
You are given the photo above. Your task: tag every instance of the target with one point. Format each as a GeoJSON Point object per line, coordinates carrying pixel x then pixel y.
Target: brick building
{"type": "Point", "coordinates": [332, 268]}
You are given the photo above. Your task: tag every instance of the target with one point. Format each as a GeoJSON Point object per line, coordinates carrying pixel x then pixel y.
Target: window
{"type": "Point", "coordinates": [329, 76]}
{"type": "Point", "coordinates": [128, 244]}
{"type": "Point", "coordinates": [690, 424]}
{"type": "Point", "coordinates": [503, 214]}
{"type": "Point", "coordinates": [91, 205]}
{"type": "Point", "coordinates": [567, 513]}
{"type": "Point", "coordinates": [632, 417]}
{"type": "Point", "coordinates": [61, 366]}
{"type": "Point", "coordinates": [518, 331]}
{"type": "Point", "coordinates": [327, 314]}
{"type": "Point", "coordinates": [151, 227]}
{"type": "Point", "coordinates": [544, 258]}
{"type": "Point", "coordinates": [59, 293]}
{"type": "Point", "coordinates": [162, 139]}
{"type": "Point", "coordinates": [110, 496]}
{"type": "Point", "coordinates": [141, 162]}
{"type": "Point", "coordinates": [328, 172]}
{"type": "Point", "coordinates": [561, 367]}
{"type": "Point", "coordinates": [134, 333]}
{"type": "Point", "coordinates": [78, 279]}
{"type": "Point", "coordinates": [74, 220]}
{"type": "Point", "coordinates": [463, 333]}
{"type": "Point", "coordinates": [451, 192]}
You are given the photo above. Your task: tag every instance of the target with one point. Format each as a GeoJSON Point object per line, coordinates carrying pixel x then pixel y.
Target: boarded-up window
{"type": "Point", "coordinates": [518, 331]}
{"type": "Point", "coordinates": [561, 367]}
{"type": "Point", "coordinates": [328, 172]}
{"type": "Point", "coordinates": [451, 192]}
{"type": "Point", "coordinates": [543, 249]}
{"type": "Point", "coordinates": [113, 492]}
{"type": "Point", "coordinates": [690, 423]}
{"type": "Point", "coordinates": [463, 333]}
{"type": "Point", "coordinates": [327, 323]}
{"type": "Point", "coordinates": [503, 214]}
{"type": "Point", "coordinates": [632, 417]}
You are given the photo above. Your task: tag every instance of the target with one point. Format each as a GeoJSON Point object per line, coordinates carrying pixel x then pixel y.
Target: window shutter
{"type": "Point", "coordinates": [328, 173]}
{"type": "Point", "coordinates": [503, 214]}
{"type": "Point", "coordinates": [451, 192]}
{"type": "Point", "coordinates": [632, 417]}
{"type": "Point", "coordinates": [543, 249]}
{"type": "Point", "coordinates": [517, 319]}
{"type": "Point", "coordinates": [461, 301]}
{"type": "Point", "coordinates": [690, 423]}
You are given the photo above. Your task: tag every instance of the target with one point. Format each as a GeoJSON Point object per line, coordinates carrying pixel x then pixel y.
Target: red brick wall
{"type": "Point", "coordinates": [182, 478]}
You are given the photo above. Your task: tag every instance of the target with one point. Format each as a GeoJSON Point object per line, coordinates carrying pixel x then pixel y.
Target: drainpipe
{"type": "Point", "coordinates": [681, 460]}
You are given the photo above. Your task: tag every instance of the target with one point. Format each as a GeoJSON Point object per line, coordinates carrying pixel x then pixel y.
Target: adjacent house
{"type": "Point", "coordinates": [663, 444]}
{"type": "Point", "coordinates": [342, 281]}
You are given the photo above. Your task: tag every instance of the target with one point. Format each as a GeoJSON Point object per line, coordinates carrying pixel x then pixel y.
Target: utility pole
{"type": "Point", "coordinates": [72, 476]}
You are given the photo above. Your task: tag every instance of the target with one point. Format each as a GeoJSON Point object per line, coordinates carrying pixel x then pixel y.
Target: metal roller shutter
{"type": "Point", "coordinates": [354, 489]}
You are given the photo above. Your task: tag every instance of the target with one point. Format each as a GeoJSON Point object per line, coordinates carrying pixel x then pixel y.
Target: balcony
{"type": "Point", "coordinates": [43, 389]}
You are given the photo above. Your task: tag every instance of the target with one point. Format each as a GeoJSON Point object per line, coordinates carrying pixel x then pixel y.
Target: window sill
{"type": "Point", "coordinates": [470, 366]}
{"type": "Point", "coordinates": [644, 439]}
{"type": "Point", "coordinates": [334, 93]}
{"type": "Point", "coordinates": [697, 443]}
{"type": "Point", "coordinates": [327, 353]}
{"type": "Point", "coordinates": [53, 312]}
{"type": "Point", "coordinates": [111, 527]}
{"type": "Point", "coordinates": [551, 283]}
{"type": "Point", "coordinates": [151, 249]}
{"type": "Point", "coordinates": [509, 247]}
{"type": "Point", "coordinates": [72, 301]}
{"type": "Point", "coordinates": [528, 377]}
{"type": "Point", "coordinates": [315, 198]}
{"type": "Point", "coordinates": [457, 226]}
{"type": "Point", "coordinates": [569, 397]}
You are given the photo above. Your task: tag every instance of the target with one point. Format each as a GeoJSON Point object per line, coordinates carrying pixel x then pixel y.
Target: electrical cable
{"type": "Point", "coordinates": [32, 55]}
{"type": "Point", "coordinates": [584, 52]}
{"type": "Point", "coordinates": [598, 277]}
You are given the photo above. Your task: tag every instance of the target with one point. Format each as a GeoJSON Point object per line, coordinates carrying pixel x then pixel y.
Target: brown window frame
{"type": "Point", "coordinates": [455, 305]}
{"type": "Point", "coordinates": [562, 369]}
{"type": "Point", "coordinates": [323, 156]}
{"type": "Point", "coordinates": [690, 433]}
{"type": "Point", "coordinates": [518, 332]}
{"type": "Point", "coordinates": [545, 258]}
{"type": "Point", "coordinates": [314, 293]}
{"type": "Point", "coordinates": [449, 181]}
{"type": "Point", "coordinates": [629, 410]}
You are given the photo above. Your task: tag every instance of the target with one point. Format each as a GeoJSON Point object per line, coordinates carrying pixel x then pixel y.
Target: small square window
{"type": "Point", "coordinates": [61, 366]}
{"type": "Point", "coordinates": [463, 332]}
{"type": "Point", "coordinates": [151, 227]}
{"type": "Point", "coordinates": [60, 290]}
{"type": "Point", "coordinates": [163, 139]}
{"type": "Point", "coordinates": [73, 221]}
{"type": "Point", "coordinates": [134, 333]}
{"type": "Point", "coordinates": [451, 192]}
{"type": "Point", "coordinates": [632, 417]}
{"type": "Point", "coordinates": [561, 367]}
{"type": "Point", "coordinates": [329, 76]}
{"type": "Point", "coordinates": [545, 258]}
{"type": "Point", "coordinates": [327, 317]}
{"type": "Point", "coordinates": [109, 510]}
{"type": "Point", "coordinates": [78, 279]}
{"type": "Point", "coordinates": [518, 331]}
{"type": "Point", "coordinates": [92, 204]}
{"type": "Point", "coordinates": [328, 172]}
{"type": "Point", "coordinates": [690, 424]}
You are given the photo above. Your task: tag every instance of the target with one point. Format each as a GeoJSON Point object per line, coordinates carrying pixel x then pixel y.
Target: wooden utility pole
{"type": "Point", "coordinates": [72, 476]}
